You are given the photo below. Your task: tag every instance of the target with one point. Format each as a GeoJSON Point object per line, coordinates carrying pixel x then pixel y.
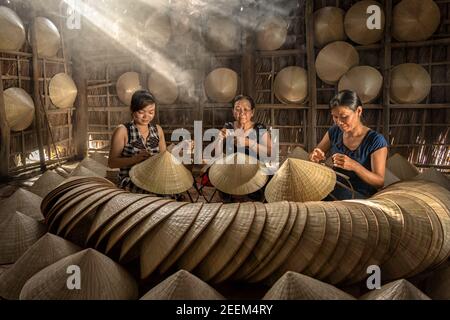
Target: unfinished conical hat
{"type": "Point", "coordinates": [221, 85]}
{"type": "Point", "coordinates": [291, 85]}
{"type": "Point", "coordinates": [47, 37]}
{"type": "Point", "coordinates": [157, 29]}
{"type": "Point", "coordinates": [228, 244]}
{"type": "Point", "coordinates": [209, 237]}
{"type": "Point", "coordinates": [100, 279]}
{"type": "Point", "coordinates": [295, 286]}
{"type": "Point", "coordinates": [271, 33]}
{"type": "Point", "coordinates": [95, 166]}
{"type": "Point", "coordinates": [18, 232]}
{"type": "Point", "coordinates": [127, 84]}
{"type": "Point", "coordinates": [410, 83]}
{"type": "Point", "coordinates": [238, 174]}
{"type": "Point", "coordinates": [415, 20]}
{"type": "Point", "coordinates": [335, 60]}
{"type": "Point", "coordinates": [390, 177]}
{"type": "Point", "coordinates": [222, 34]}
{"type": "Point", "coordinates": [401, 167]}
{"type": "Point", "coordinates": [366, 81]}
{"type": "Point", "coordinates": [182, 286]}
{"type": "Point", "coordinates": [163, 86]}
{"type": "Point", "coordinates": [46, 251]}
{"type": "Point", "coordinates": [12, 31]}
{"type": "Point", "coordinates": [397, 290]}
{"type": "Point", "coordinates": [437, 285]}
{"type": "Point", "coordinates": [300, 181]}
{"type": "Point", "coordinates": [299, 153]}
{"type": "Point", "coordinates": [19, 108]}
{"type": "Point", "coordinates": [62, 91]}
{"type": "Point", "coordinates": [82, 171]}
{"type": "Point", "coordinates": [25, 202]}
{"type": "Point", "coordinates": [162, 174]}
{"type": "Point", "coordinates": [328, 26]}
{"type": "Point", "coordinates": [357, 20]}
{"type": "Point", "coordinates": [435, 176]}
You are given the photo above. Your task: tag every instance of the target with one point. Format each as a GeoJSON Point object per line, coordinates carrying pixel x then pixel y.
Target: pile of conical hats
{"type": "Point", "coordinates": [46, 183]}
{"type": "Point", "coordinates": [405, 229]}
{"type": "Point", "coordinates": [396, 290]}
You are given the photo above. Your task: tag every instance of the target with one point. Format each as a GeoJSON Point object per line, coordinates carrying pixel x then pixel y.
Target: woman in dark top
{"type": "Point", "coordinates": [357, 151]}
{"type": "Point", "coordinates": [137, 140]}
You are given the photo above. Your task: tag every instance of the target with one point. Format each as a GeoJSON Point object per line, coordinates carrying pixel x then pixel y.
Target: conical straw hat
{"type": "Point", "coordinates": [94, 166]}
{"type": "Point", "coordinates": [236, 174]}
{"type": "Point", "coordinates": [47, 37]}
{"type": "Point", "coordinates": [247, 246]}
{"type": "Point", "coordinates": [356, 20]}
{"type": "Point", "coordinates": [19, 108]}
{"type": "Point", "coordinates": [221, 85]}
{"type": "Point", "coordinates": [158, 29]}
{"type": "Point", "coordinates": [328, 26]}
{"type": "Point", "coordinates": [163, 86]}
{"type": "Point", "coordinates": [285, 243]}
{"type": "Point", "coordinates": [271, 33]}
{"type": "Point", "coordinates": [12, 34]}
{"type": "Point", "coordinates": [366, 81]}
{"type": "Point", "coordinates": [158, 244]}
{"type": "Point", "coordinates": [397, 290]}
{"type": "Point", "coordinates": [389, 178]}
{"type": "Point", "coordinates": [201, 223]}
{"type": "Point", "coordinates": [401, 167]}
{"type": "Point", "coordinates": [182, 286]}
{"type": "Point", "coordinates": [222, 33]}
{"type": "Point", "coordinates": [415, 20]}
{"type": "Point", "coordinates": [162, 174]}
{"type": "Point", "coordinates": [310, 242]}
{"type": "Point", "coordinates": [300, 181]}
{"type": "Point", "coordinates": [46, 251]}
{"type": "Point", "coordinates": [46, 183]}
{"type": "Point", "coordinates": [435, 176]}
{"type": "Point", "coordinates": [25, 202]}
{"type": "Point", "coordinates": [334, 60]}
{"type": "Point", "coordinates": [228, 244]}
{"type": "Point", "coordinates": [209, 238]}
{"type": "Point", "coordinates": [276, 220]}
{"type": "Point", "coordinates": [127, 84]}
{"type": "Point", "coordinates": [18, 232]}
{"type": "Point", "coordinates": [410, 83]}
{"type": "Point", "coordinates": [437, 285]}
{"type": "Point", "coordinates": [82, 171]}
{"type": "Point", "coordinates": [62, 91]}
{"type": "Point", "coordinates": [291, 85]}
{"type": "Point", "coordinates": [101, 279]}
{"type": "Point", "coordinates": [148, 225]}
{"type": "Point", "coordinates": [299, 153]}
{"type": "Point", "coordinates": [295, 286]}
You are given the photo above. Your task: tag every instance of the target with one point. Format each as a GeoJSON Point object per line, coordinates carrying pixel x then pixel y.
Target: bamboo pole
{"type": "Point", "coordinates": [4, 135]}
{"type": "Point", "coordinates": [82, 112]}
{"type": "Point", "coordinates": [386, 63]}
{"type": "Point", "coordinates": [312, 80]}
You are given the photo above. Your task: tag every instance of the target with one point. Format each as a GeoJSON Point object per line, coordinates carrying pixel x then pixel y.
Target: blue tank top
{"type": "Point", "coordinates": [370, 143]}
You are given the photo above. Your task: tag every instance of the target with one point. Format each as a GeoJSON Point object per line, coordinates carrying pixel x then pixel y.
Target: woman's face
{"type": "Point", "coordinates": [145, 115]}
{"type": "Point", "coordinates": [243, 112]}
{"type": "Point", "coordinates": [345, 118]}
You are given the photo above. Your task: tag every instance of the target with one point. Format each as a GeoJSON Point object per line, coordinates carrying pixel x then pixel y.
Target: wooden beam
{"type": "Point", "coordinates": [312, 80]}
{"type": "Point", "coordinates": [4, 135]}
{"type": "Point", "coordinates": [248, 64]}
{"type": "Point", "coordinates": [386, 69]}
{"type": "Point", "coordinates": [81, 113]}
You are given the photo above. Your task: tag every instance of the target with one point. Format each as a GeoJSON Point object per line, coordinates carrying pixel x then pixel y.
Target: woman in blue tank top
{"type": "Point", "coordinates": [357, 151]}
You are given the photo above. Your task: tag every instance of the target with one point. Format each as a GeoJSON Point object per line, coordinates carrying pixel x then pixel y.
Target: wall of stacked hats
{"type": "Point", "coordinates": [295, 244]}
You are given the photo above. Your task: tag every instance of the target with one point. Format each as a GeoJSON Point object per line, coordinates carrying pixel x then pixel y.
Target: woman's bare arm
{"type": "Point", "coordinates": [118, 142]}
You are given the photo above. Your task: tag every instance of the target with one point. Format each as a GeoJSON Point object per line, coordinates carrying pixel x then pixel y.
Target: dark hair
{"type": "Point", "coordinates": [346, 98]}
{"type": "Point", "coordinates": [244, 97]}
{"type": "Point", "coordinates": [141, 99]}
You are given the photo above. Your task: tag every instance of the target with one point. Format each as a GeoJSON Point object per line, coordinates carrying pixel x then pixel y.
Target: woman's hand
{"type": "Point", "coordinates": [142, 155]}
{"type": "Point", "coordinates": [344, 162]}
{"type": "Point", "coordinates": [223, 133]}
{"type": "Point", "coordinates": [317, 155]}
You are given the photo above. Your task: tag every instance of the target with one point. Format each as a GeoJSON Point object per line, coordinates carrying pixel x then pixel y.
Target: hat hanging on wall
{"type": "Point", "coordinates": [271, 33]}
{"type": "Point", "coordinates": [12, 31]}
{"type": "Point", "coordinates": [366, 81]}
{"type": "Point", "coordinates": [127, 84]}
{"type": "Point", "coordinates": [328, 26]}
{"type": "Point", "coordinates": [19, 107]}
{"type": "Point", "coordinates": [47, 37]}
{"type": "Point", "coordinates": [222, 34]}
{"type": "Point", "coordinates": [163, 86]}
{"type": "Point", "coordinates": [62, 91]}
{"type": "Point", "coordinates": [291, 85]}
{"type": "Point", "coordinates": [357, 20]}
{"type": "Point", "coordinates": [410, 83]}
{"type": "Point", "coordinates": [221, 85]}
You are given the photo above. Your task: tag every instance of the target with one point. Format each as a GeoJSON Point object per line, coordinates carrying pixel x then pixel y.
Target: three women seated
{"type": "Point", "coordinates": [357, 151]}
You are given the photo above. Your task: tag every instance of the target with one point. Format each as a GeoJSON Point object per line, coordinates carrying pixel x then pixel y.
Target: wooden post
{"type": "Point", "coordinates": [5, 135]}
{"type": "Point", "coordinates": [386, 68]}
{"type": "Point", "coordinates": [37, 97]}
{"type": "Point", "coordinates": [81, 112]}
{"type": "Point", "coordinates": [248, 65]}
{"type": "Point", "coordinates": [312, 80]}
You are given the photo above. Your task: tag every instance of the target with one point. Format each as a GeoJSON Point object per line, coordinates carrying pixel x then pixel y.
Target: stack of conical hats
{"type": "Point", "coordinates": [238, 174]}
{"type": "Point", "coordinates": [401, 167]}
{"type": "Point", "coordinates": [162, 174]}
{"type": "Point", "coordinates": [25, 202]}
{"type": "Point", "coordinates": [301, 181]}
{"type": "Point", "coordinates": [47, 182]}
{"type": "Point", "coordinates": [397, 290]}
